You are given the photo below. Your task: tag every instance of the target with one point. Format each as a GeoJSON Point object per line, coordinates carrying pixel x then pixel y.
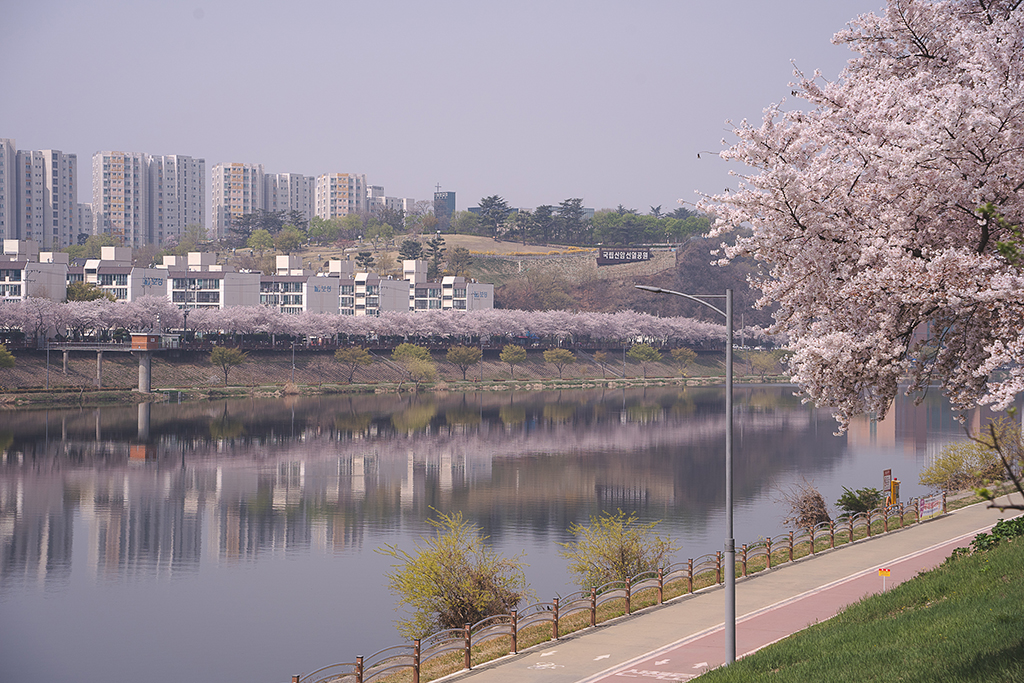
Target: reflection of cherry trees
{"type": "Point", "coordinates": [78, 319]}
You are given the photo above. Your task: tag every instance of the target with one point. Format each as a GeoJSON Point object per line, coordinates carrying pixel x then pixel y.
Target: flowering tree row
{"type": "Point", "coordinates": [75, 319]}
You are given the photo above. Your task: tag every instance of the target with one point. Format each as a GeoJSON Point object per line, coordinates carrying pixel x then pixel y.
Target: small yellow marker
{"type": "Point", "coordinates": [884, 573]}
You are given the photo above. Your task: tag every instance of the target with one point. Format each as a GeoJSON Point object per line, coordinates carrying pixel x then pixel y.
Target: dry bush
{"type": "Point", "coordinates": [807, 507]}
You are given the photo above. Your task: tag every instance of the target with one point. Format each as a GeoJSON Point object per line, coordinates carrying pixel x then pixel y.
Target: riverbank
{"type": "Point", "coordinates": [38, 381]}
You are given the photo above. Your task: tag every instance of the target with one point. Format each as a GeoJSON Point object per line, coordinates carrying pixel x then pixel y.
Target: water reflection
{"type": "Point", "coordinates": [158, 486]}
{"type": "Point", "coordinates": [212, 527]}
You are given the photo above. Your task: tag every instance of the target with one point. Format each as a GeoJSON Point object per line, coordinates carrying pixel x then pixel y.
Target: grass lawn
{"type": "Point", "coordinates": [963, 621]}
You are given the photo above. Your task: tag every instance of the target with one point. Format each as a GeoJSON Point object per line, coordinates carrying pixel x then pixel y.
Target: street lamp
{"type": "Point", "coordinates": [730, 542]}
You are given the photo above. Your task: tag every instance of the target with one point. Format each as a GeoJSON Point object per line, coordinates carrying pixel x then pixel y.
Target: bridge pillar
{"type": "Point", "coordinates": [66, 361]}
{"type": "Point", "coordinates": [144, 412]}
{"type": "Point", "coordinates": [99, 369]}
{"type": "Point", "coordinates": [145, 376]}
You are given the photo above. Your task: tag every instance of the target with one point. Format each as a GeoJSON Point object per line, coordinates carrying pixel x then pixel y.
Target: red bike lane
{"type": "Point", "coordinates": [688, 658]}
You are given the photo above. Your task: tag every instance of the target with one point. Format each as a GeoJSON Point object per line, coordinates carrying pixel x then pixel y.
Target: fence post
{"type": "Point", "coordinates": [718, 566]}
{"type": "Point", "coordinates": [359, 669]}
{"type": "Point", "coordinates": [901, 515]}
{"type": "Point", "coordinates": [295, 679]}
{"type": "Point", "coordinates": [831, 533]}
{"type": "Point", "coordinates": [744, 559]}
{"type": "Point", "coordinates": [885, 521]}
{"type": "Point", "coordinates": [943, 502]}
{"type": "Point", "coordinates": [768, 547]}
{"type": "Point", "coordinates": [416, 661]}
{"type": "Point", "coordinates": [593, 605]}
{"type": "Point", "coordinates": [515, 632]}
{"type": "Point", "coordinates": [850, 520]}
{"type": "Point", "coordinates": [554, 623]}
{"type": "Point", "coordinates": [810, 532]}
{"type": "Point", "coordinates": [869, 523]}
{"type": "Point", "coordinates": [661, 585]}
{"type": "Point", "coordinates": [790, 546]}
{"type": "Point", "coordinates": [469, 647]}
{"type": "Point", "coordinates": [689, 575]}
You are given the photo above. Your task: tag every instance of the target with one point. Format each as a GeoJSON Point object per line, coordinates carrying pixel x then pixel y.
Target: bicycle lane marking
{"type": "Point", "coordinates": [697, 653]}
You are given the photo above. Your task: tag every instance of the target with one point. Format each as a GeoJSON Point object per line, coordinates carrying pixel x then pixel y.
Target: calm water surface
{"type": "Point", "coordinates": [234, 541]}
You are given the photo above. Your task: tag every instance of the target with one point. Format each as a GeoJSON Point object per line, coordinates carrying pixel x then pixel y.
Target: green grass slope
{"type": "Point", "coordinates": [963, 621]}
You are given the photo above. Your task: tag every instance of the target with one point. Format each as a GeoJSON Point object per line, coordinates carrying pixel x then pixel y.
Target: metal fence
{"type": "Point", "coordinates": [457, 649]}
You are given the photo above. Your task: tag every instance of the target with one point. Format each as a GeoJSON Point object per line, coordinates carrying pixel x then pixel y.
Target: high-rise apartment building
{"type": "Point", "coordinates": [120, 196]}
{"type": "Point", "coordinates": [237, 190]}
{"type": "Point", "coordinates": [47, 201]}
{"type": "Point", "coordinates": [339, 194]}
{"type": "Point", "coordinates": [177, 187]}
{"type": "Point", "coordinates": [377, 201]}
{"type": "Point", "coordinates": [8, 190]}
{"type": "Point", "coordinates": [289, 192]}
{"type": "Point", "coordinates": [85, 226]}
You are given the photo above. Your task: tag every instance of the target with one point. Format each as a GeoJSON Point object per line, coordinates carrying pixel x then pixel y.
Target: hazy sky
{"type": "Point", "coordinates": [534, 101]}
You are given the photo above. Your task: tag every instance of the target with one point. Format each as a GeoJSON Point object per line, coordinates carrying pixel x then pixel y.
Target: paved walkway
{"type": "Point", "coordinates": [683, 638]}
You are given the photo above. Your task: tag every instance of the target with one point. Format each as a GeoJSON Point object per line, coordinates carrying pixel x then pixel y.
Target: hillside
{"type": "Point", "coordinates": [549, 277]}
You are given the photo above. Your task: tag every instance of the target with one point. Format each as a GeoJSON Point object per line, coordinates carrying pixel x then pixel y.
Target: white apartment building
{"type": "Point", "coordinates": [290, 192]}
{"type": "Point", "coordinates": [237, 190]}
{"type": "Point", "coordinates": [47, 197]}
{"type": "Point", "coordinates": [85, 224]}
{"type": "Point", "coordinates": [177, 186]}
{"type": "Point", "coordinates": [339, 194]}
{"type": "Point", "coordinates": [377, 201]}
{"type": "Point", "coordinates": [24, 272]}
{"type": "Point", "coordinates": [8, 190]}
{"type": "Point", "coordinates": [120, 196]}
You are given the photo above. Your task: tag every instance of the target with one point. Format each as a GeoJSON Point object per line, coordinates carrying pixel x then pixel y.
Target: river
{"type": "Point", "coordinates": [235, 540]}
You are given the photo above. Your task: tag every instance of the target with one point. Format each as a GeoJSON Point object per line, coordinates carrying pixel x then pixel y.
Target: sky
{"type": "Point", "coordinates": [534, 101]}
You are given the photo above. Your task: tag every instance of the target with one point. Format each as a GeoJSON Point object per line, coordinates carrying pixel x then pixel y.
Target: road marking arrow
{"type": "Point", "coordinates": [548, 654]}
{"type": "Point", "coordinates": [660, 662]}
{"type": "Point", "coordinates": [601, 657]}
{"type": "Point", "coordinates": [702, 665]}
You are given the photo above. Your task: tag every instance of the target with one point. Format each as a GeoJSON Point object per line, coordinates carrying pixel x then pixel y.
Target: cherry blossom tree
{"type": "Point", "coordinates": [865, 206]}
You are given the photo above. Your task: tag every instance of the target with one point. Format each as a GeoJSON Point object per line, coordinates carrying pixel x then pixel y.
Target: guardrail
{"type": "Point", "coordinates": [451, 650]}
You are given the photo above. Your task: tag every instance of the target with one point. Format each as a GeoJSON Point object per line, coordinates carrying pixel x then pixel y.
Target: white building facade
{"type": "Point", "coordinates": [177, 186]}
{"type": "Point", "coordinates": [237, 190]}
{"type": "Point", "coordinates": [8, 189]}
{"type": "Point", "coordinates": [289, 192]}
{"type": "Point", "coordinates": [120, 197]}
{"type": "Point", "coordinates": [47, 197]}
{"type": "Point", "coordinates": [339, 194]}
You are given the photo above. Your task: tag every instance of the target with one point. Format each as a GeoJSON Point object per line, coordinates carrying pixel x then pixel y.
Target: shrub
{"type": "Point", "coordinates": [970, 464]}
{"type": "Point", "coordinates": [453, 578]}
{"type": "Point", "coordinates": [615, 548]}
{"type": "Point", "coordinates": [861, 500]}
{"type": "Point", "coordinates": [807, 507]}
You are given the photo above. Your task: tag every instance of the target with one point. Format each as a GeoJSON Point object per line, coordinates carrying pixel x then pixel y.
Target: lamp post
{"type": "Point", "coordinates": [730, 542]}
